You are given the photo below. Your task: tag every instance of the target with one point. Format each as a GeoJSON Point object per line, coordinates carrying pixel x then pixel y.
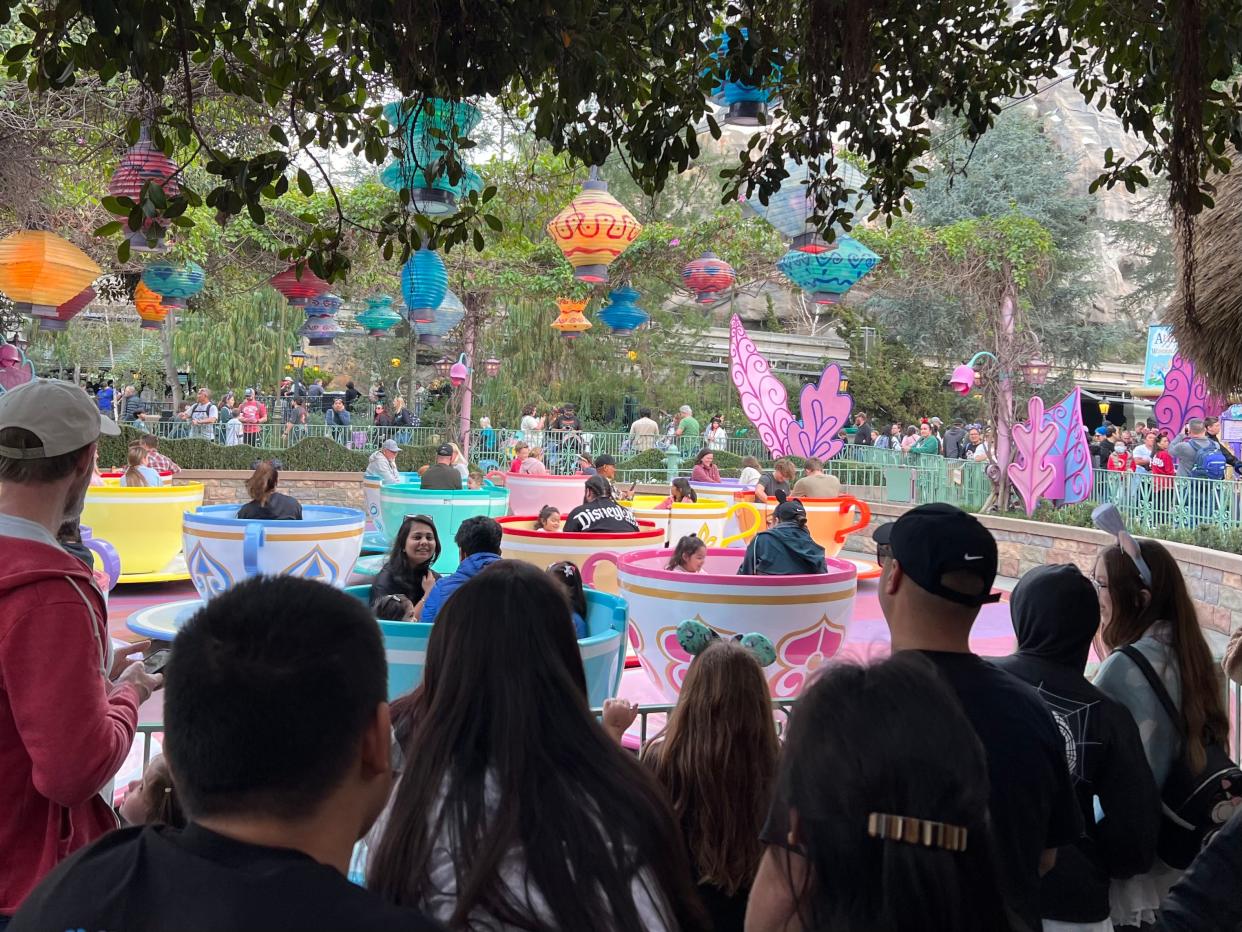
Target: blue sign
{"type": "Point", "coordinates": [1161, 348]}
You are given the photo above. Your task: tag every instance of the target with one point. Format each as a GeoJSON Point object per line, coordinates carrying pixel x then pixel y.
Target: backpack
{"type": "Point", "coordinates": [1209, 461]}
{"type": "Point", "coordinates": [1195, 804]}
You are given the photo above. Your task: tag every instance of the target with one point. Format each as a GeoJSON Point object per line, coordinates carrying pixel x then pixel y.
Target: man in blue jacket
{"type": "Point", "coordinates": [478, 539]}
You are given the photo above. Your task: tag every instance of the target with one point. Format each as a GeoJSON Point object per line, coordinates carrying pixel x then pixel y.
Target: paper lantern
{"type": "Point", "coordinates": [141, 164]}
{"type": "Point", "coordinates": [708, 276]}
{"type": "Point", "coordinates": [150, 308]}
{"type": "Point", "coordinates": [427, 128]}
{"type": "Point", "coordinates": [67, 311]}
{"type": "Point", "coordinates": [447, 316]}
{"type": "Point", "coordinates": [424, 282]}
{"type": "Point", "coordinates": [321, 327]}
{"type": "Point", "coordinates": [379, 316]}
{"type": "Point", "coordinates": [174, 283]}
{"type": "Point", "coordinates": [621, 314]}
{"type": "Point", "coordinates": [789, 206]}
{"type": "Point", "coordinates": [40, 271]}
{"type": "Point", "coordinates": [747, 105]}
{"type": "Point", "coordinates": [571, 322]}
{"type": "Point", "coordinates": [299, 285]}
{"type": "Point", "coordinates": [593, 229]}
{"type": "Point", "coordinates": [826, 276]}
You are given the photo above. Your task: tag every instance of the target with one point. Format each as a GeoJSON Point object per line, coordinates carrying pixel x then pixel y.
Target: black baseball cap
{"type": "Point", "coordinates": [444, 450]}
{"type": "Point", "coordinates": [932, 540]}
{"type": "Point", "coordinates": [790, 509]}
{"type": "Point", "coordinates": [604, 459]}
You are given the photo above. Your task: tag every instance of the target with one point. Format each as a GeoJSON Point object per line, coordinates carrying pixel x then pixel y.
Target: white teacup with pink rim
{"type": "Point", "coordinates": [520, 541]}
{"type": "Point", "coordinates": [528, 494]}
{"type": "Point", "coordinates": [805, 617]}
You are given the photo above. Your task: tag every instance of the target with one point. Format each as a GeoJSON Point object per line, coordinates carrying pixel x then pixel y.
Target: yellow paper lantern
{"type": "Point", "coordinates": [395, 362]}
{"type": "Point", "coordinates": [39, 271]}
{"type": "Point", "coordinates": [593, 230]}
{"type": "Point", "coordinates": [149, 307]}
{"type": "Point", "coordinates": [632, 356]}
{"type": "Point", "coordinates": [571, 322]}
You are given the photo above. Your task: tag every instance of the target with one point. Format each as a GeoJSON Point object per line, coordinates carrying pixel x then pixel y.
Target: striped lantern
{"type": "Point", "coordinates": [67, 311]}
{"type": "Point", "coordinates": [321, 327]}
{"type": "Point", "coordinates": [40, 271]}
{"type": "Point", "coordinates": [747, 105]}
{"type": "Point", "coordinates": [427, 128]}
{"type": "Point", "coordinates": [826, 276]}
{"type": "Point", "coordinates": [150, 308]}
{"type": "Point", "coordinates": [175, 283]}
{"type": "Point", "coordinates": [448, 315]}
{"type": "Point", "coordinates": [621, 314]}
{"type": "Point", "coordinates": [379, 316]}
{"type": "Point", "coordinates": [708, 277]}
{"type": "Point", "coordinates": [571, 323]}
{"type": "Point", "coordinates": [424, 282]}
{"type": "Point", "coordinates": [593, 229]}
{"type": "Point", "coordinates": [143, 163]}
{"type": "Point", "coordinates": [298, 284]}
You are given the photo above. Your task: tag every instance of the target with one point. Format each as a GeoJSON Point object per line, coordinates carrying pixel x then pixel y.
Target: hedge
{"type": "Point", "coordinates": [314, 454]}
{"type": "Point", "coordinates": [1209, 536]}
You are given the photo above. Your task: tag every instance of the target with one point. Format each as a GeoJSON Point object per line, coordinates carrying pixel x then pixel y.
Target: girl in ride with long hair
{"type": "Point", "coordinates": [408, 569]}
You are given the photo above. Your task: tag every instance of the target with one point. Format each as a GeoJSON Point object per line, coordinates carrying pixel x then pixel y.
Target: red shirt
{"type": "Point", "coordinates": [516, 465]}
{"type": "Point", "coordinates": [251, 412]}
{"type": "Point", "coordinates": [1118, 462]}
{"type": "Point", "coordinates": [1162, 465]}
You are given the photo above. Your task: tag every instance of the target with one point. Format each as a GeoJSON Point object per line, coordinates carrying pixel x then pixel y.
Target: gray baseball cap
{"type": "Point", "coordinates": [59, 413]}
{"type": "Point", "coordinates": [391, 446]}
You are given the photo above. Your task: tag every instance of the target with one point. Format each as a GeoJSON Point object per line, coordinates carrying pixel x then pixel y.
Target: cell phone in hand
{"type": "Point", "coordinates": [155, 661]}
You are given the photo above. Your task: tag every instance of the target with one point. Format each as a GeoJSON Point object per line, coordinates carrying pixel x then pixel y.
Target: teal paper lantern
{"type": "Point", "coordinates": [174, 282]}
{"type": "Point", "coordinates": [826, 276]}
{"type": "Point", "coordinates": [747, 105]}
{"type": "Point", "coordinates": [427, 128]}
{"type": "Point", "coordinates": [621, 315]}
{"type": "Point", "coordinates": [424, 282]}
{"type": "Point", "coordinates": [379, 316]}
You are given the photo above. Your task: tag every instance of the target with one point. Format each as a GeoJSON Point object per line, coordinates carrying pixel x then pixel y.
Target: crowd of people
{"type": "Point", "coordinates": [935, 791]}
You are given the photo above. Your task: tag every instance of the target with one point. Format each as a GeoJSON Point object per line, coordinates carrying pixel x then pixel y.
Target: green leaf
{"type": "Point", "coordinates": [305, 185]}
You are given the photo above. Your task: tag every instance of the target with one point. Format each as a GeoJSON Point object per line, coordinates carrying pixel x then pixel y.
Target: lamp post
{"type": "Point", "coordinates": [298, 360]}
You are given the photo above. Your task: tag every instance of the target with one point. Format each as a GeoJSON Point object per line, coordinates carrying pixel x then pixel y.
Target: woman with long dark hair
{"type": "Point", "coordinates": [881, 818]}
{"type": "Point", "coordinates": [408, 569]}
{"type": "Point", "coordinates": [716, 759]}
{"type": "Point", "coordinates": [515, 809]}
{"type": "Point", "coordinates": [1158, 618]}
{"type": "Point", "coordinates": [569, 577]}
{"type": "Point", "coordinates": [266, 504]}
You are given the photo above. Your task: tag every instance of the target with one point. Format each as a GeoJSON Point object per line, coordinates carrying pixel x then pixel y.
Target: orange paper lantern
{"type": "Point", "coordinates": [571, 322]}
{"type": "Point", "coordinates": [39, 271]}
{"type": "Point", "coordinates": [149, 307]}
{"type": "Point", "coordinates": [593, 230]}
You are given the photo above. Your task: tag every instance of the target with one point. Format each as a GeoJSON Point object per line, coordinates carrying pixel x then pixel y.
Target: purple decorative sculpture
{"type": "Point", "coordinates": [1034, 473]}
{"type": "Point", "coordinates": [1185, 396]}
{"type": "Point", "coordinates": [1072, 449]}
{"type": "Point", "coordinates": [762, 394]}
{"type": "Point", "coordinates": [825, 410]}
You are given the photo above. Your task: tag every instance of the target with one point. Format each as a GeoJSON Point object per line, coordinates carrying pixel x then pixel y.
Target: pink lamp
{"type": "Point", "coordinates": [963, 380]}
{"type": "Point", "coordinates": [458, 372]}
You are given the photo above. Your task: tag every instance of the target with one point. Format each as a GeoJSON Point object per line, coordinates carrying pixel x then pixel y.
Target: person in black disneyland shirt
{"type": "Point", "coordinates": [599, 513]}
{"type": "Point", "coordinates": [274, 810]}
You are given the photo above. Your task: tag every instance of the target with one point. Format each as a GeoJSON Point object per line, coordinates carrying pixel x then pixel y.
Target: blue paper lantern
{"type": "Point", "coordinates": [427, 128]}
{"type": "Point", "coordinates": [424, 281]}
{"type": "Point", "coordinates": [621, 314]}
{"type": "Point", "coordinates": [379, 316]}
{"type": "Point", "coordinates": [747, 104]}
{"type": "Point", "coordinates": [789, 206]}
{"type": "Point", "coordinates": [448, 315]}
{"type": "Point", "coordinates": [174, 282]}
{"type": "Point", "coordinates": [826, 276]}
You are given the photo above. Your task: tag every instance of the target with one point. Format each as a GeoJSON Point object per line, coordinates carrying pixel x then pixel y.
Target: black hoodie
{"type": "Point", "coordinates": [786, 550]}
{"type": "Point", "coordinates": [1055, 614]}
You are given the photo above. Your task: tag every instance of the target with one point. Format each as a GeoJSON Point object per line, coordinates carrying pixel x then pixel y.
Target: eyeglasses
{"type": "Point", "coordinates": [883, 552]}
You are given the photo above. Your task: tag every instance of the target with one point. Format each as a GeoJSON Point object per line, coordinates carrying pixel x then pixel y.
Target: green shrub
{"type": "Point", "coordinates": [648, 459]}
{"type": "Point", "coordinates": [314, 454]}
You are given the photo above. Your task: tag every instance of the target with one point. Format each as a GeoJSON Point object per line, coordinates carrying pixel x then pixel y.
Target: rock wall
{"type": "Point", "coordinates": [222, 486]}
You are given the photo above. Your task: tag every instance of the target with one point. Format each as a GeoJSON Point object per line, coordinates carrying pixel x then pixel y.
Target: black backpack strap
{"type": "Point", "coordinates": [1157, 686]}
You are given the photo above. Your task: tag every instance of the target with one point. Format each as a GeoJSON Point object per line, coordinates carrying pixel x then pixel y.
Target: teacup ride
{"type": "Point", "coordinates": [222, 550]}
{"type": "Point", "coordinates": [108, 561]}
{"type": "Point", "coordinates": [726, 490]}
{"type": "Point", "coordinates": [143, 524]}
{"type": "Point", "coordinates": [114, 476]}
{"type": "Point", "coordinates": [830, 521]}
{"type": "Point", "coordinates": [448, 509]}
{"type": "Point", "coordinates": [528, 494]}
{"type": "Point", "coordinates": [374, 541]}
{"type": "Point", "coordinates": [520, 541]}
{"type": "Point", "coordinates": [602, 650]}
{"type": "Point", "coordinates": [806, 617]}
{"type": "Point", "coordinates": [709, 520]}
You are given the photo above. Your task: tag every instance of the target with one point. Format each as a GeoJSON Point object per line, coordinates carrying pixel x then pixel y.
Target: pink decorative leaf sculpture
{"type": "Point", "coordinates": [1072, 447]}
{"type": "Point", "coordinates": [1033, 441]}
{"type": "Point", "coordinates": [1185, 396]}
{"type": "Point", "coordinates": [15, 368]}
{"type": "Point", "coordinates": [825, 410]}
{"type": "Point", "coordinates": [762, 394]}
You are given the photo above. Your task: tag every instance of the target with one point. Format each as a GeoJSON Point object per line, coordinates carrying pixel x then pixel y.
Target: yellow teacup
{"type": "Point", "coordinates": [704, 519]}
{"type": "Point", "coordinates": [143, 523]}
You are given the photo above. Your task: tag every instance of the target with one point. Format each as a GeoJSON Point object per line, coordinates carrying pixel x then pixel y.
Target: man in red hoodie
{"type": "Point", "coordinates": [65, 728]}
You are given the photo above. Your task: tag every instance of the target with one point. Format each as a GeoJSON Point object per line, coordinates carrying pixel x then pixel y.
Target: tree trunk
{"type": "Point", "coordinates": [471, 332]}
{"type": "Point", "coordinates": [1008, 365]}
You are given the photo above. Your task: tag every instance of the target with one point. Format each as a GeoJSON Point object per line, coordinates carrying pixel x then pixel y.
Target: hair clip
{"type": "Point", "coordinates": [913, 831]}
{"type": "Point", "coordinates": [1107, 518]}
{"type": "Point", "coordinates": [694, 636]}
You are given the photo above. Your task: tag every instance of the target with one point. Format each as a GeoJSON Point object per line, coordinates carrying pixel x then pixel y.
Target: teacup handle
{"type": "Point", "coordinates": [864, 516]}
{"type": "Point", "coordinates": [756, 522]}
{"type": "Point", "coordinates": [108, 556]}
{"type": "Point", "coordinates": [588, 568]}
{"type": "Point", "coordinates": [252, 542]}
